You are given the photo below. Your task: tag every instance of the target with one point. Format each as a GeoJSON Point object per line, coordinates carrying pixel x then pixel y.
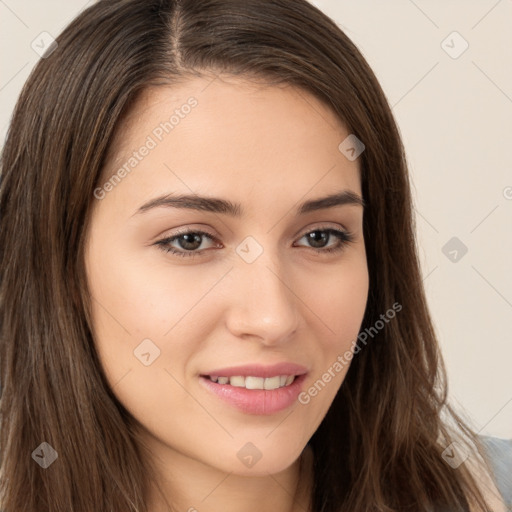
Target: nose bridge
{"type": "Point", "coordinates": [262, 303]}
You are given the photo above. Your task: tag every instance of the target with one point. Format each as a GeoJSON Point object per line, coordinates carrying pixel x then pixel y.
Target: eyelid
{"type": "Point", "coordinates": [320, 227]}
{"type": "Point", "coordinates": [344, 236]}
{"type": "Point", "coordinates": [166, 240]}
{"type": "Point", "coordinates": [200, 230]}
{"type": "Point", "coordinates": [189, 229]}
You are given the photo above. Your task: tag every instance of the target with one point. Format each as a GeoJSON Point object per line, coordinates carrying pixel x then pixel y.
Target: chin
{"type": "Point", "coordinates": [253, 459]}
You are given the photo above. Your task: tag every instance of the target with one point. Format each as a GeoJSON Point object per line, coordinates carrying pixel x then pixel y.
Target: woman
{"type": "Point", "coordinates": [177, 177]}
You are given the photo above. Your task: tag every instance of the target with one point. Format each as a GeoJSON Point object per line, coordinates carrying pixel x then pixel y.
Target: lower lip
{"type": "Point", "coordinates": [256, 401]}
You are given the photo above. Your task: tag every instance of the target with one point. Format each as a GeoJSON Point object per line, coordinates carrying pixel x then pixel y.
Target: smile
{"type": "Point", "coordinates": [250, 382]}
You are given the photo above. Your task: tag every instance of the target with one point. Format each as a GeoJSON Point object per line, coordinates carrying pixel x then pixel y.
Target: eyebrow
{"type": "Point", "coordinates": [224, 206]}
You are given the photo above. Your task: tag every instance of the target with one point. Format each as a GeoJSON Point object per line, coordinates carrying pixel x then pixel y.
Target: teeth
{"type": "Point", "coordinates": [272, 383]}
{"type": "Point", "coordinates": [249, 382]}
{"type": "Point", "coordinates": [239, 382]}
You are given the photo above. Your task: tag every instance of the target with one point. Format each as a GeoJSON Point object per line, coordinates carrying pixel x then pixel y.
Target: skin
{"type": "Point", "coordinates": [267, 148]}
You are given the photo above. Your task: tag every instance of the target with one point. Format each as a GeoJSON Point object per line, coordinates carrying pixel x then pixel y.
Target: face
{"type": "Point", "coordinates": [263, 291]}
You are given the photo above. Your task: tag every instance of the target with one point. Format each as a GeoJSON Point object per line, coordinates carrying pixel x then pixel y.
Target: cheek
{"type": "Point", "coordinates": [137, 308]}
{"type": "Point", "coordinates": [145, 333]}
{"type": "Point", "coordinates": [178, 309]}
{"type": "Point", "coordinates": [339, 300]}
{"type": "Point", "coordinates": [138, 296]}
{"type": "Point", "coordinates": [337, 304]}
{"type": "Point", "coordinates": [151, 320]}
{"type": "Point", "coordinates": [136, 299]}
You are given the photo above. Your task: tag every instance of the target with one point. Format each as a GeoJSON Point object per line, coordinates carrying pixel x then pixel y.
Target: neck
{"type": "Point", "coordinates": [189, 485]}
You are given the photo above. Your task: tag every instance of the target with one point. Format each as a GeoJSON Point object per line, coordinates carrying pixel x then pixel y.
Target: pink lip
{"type": "Point", "coordinates": [256, 370]}
{"type": "Point", "coordinates": [256, 401]}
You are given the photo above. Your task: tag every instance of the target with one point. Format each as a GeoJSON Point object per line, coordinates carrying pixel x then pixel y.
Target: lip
{"type": "Point", "coordinates": [258, 370]}
{"type": "Point", "coordinates": [256, 401]}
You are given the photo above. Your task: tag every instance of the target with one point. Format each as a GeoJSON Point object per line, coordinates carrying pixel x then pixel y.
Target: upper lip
{"type": "Point", "coordinates": [258, 370]}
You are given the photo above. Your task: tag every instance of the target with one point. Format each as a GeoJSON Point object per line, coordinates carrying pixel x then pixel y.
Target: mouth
{"type": "Point", "coordinates": [253, 389]}
{"type": "Point", "coordinates": [253, 382]}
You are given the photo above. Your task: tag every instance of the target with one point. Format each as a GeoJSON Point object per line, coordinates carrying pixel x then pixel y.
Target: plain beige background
{"type": "Point", "coordinates": [446, 68]}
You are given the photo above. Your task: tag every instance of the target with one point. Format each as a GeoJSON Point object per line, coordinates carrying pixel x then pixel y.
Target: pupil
{"type": "Point", "coordinates": [322, 238]}
{"type": "Point", "coordinates": [195, 240]}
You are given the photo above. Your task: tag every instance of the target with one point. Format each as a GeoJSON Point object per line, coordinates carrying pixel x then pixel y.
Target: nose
{"type": "Point", "coordinates": [262, 302]}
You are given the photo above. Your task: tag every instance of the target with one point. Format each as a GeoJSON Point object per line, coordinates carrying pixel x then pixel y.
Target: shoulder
{"type": "Point", "coordinates": [492, 475]}
{"type": "Point", "coordinates": [499, 453]}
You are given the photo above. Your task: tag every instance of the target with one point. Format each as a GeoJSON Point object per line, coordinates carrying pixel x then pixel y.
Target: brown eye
{"type": "Point", "coordinates": [319, 238]}
{"type": "Point", "coordinates": [189, 242]}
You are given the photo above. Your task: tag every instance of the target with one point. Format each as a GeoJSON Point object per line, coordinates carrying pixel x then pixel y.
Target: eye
{"type": "Point", "coordinates": [319, 237]}
{"type": "Point", "coordinates": [191, 241]}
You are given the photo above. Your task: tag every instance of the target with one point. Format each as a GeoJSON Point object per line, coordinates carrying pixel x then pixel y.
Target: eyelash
{"type": "Point", "coordinates": [344, 237]}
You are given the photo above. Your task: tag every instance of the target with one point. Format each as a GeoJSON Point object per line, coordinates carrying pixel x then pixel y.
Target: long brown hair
{"type": "Point", "coordinates": [379, 446]}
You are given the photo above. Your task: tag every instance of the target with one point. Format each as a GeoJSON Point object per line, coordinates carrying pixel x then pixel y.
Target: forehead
{"type": "Point", "coordinates": [225, 134]}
